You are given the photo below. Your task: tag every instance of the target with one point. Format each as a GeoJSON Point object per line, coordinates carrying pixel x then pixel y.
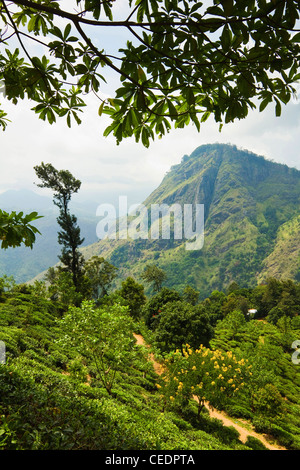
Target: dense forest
{"type": "Point", "coordinates": [74, 376]}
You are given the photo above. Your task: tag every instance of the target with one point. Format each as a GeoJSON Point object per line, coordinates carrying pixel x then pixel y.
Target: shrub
{"type": "Point", "coordinates": [284, 437]}
{"type": "Point", "coordinates": [267, 401]}
{"type": "Point", "coordinates": [261, 424]}
{"type": "Point", "coordinates": [239, 411]}
{"type": "Point", "coordinates": [77, 369]}
{"type": "Point", "coordinates": [255, 443]}
{"type": "Point", "coordinates": [228, 435]}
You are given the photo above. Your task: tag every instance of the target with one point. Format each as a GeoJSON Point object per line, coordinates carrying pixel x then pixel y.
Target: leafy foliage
{"type": "Point", "coordinates": [133, 294]}
{"type": "Point", "coordinates": [74, 377]}
{"type": "Point", "coordinates": [154, 275]}
{"type": "Point", "coordinates": [103, 334]}
{"type": "Point", "coordinates": [100, 274]}
{"type": "Point", "coordinates": [179, 322]}
{"type": "Point", "coordinates": [183, 61]}
{"type": "Point", "coordinates": [52, 397]}
{"type": "Point", "coordinates": [16, 229]}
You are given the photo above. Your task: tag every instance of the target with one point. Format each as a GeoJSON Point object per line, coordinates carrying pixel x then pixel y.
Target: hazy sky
{"type": "Point", "coordinates": [107, 170]}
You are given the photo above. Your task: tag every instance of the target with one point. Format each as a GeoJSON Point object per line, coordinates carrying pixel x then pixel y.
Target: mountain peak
{"type": "Point", "coordinates": [248, 200]}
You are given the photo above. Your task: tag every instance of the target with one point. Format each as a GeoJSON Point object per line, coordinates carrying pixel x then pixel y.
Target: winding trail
{"type": "Point", "coordinates": [227, 421]}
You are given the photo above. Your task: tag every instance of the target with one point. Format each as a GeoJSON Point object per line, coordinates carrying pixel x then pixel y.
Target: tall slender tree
{"type": "Point", "coordinates": [64, 185]}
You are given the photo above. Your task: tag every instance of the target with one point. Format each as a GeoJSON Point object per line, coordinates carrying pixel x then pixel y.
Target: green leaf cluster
{"type": "Point", "coordinates": [16, 229]}
{"type": "Point", "coordinates": [183, 61]}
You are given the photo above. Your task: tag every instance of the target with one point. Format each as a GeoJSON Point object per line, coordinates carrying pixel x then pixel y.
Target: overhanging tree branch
{"type": "Point", "coordinates": [187, 60]}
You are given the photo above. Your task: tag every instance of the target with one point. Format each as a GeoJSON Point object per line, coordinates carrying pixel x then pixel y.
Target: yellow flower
{"type": "Point", "coordinates": [194, 368]}
{"type": "Point", "coordinates": [171, 398]}
{"type": "Point", "coordinates": [213, 383]}
{"type": "Point", "coordinates": [158, 386]}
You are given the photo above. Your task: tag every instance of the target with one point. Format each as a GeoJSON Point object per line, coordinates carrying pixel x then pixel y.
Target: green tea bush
{"type": "Point", "coordinates": [228, 435]}
{"type": "Point", "coordinates": [59, 359]}
{"type": "Point", "coordinates": [284, 438]}
{"type": "Point", "coordinates": [261, 424]}
{"type": "Point", "coordinates": [295, 445]}
{"type": "Point", "coordinates": [254, 443]}
{"type": "Point", "coordinates": [77, 369]}
{"type": "Point", "coordinates": [52, 396]}
{"type": "Point", "coordinates": [239, 411]}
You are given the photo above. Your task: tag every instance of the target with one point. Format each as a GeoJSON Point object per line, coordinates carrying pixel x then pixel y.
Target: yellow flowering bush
{"type": "Point", "coordinates": [203, 374]}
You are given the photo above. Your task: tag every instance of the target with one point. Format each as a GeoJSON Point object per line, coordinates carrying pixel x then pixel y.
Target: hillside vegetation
{"type": "Point", "coordinates": [251, 208]}
{"type": "Point", "coordinates": [75, 378]}
{"type": "Point", "coordinates": [222, 321]}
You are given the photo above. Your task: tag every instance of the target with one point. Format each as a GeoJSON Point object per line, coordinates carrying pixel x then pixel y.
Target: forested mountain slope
{"type": "Point", "coordinates": [251, 210]}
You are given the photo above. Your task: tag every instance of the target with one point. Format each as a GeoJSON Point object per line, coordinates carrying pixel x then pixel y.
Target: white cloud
{"type": "Point", "coordinates": [108, 170]}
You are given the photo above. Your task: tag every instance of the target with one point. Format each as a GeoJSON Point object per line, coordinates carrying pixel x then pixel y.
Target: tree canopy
{"type": "Point", "coordinates": [182, 60]}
